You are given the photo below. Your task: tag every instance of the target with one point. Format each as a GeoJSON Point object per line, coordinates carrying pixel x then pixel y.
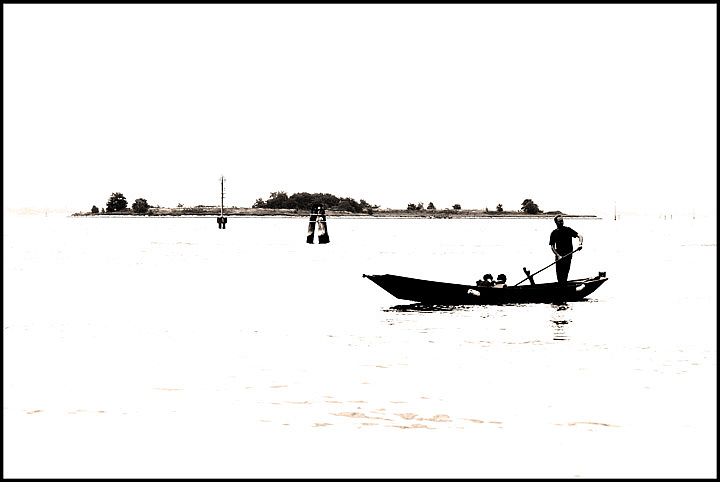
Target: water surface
{"type": "Point", "coordinates": [167, 347]}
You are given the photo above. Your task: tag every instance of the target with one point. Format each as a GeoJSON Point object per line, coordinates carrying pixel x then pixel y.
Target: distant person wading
{"type": "Point", "coordinates": [561, 244]}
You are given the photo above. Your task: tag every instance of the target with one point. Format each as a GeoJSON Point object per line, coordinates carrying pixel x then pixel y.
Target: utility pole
{"type": "Point", "coordinates": [222, 220]}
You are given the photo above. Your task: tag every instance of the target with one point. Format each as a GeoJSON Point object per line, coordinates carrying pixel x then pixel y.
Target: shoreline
{"type": "Point", "coordinates": [384, 213]}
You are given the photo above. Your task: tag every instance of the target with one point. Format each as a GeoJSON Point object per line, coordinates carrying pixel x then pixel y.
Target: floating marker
{"type": "Point", "coordinates": [317, 216]}
{"type": "Point", "coordinates": [311, 225]}
{"type": "Point", "coordinates": [323, 236]}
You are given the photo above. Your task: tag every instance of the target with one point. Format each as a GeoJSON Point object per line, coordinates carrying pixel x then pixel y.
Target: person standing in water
{"type": "Point", "coordinates": [561, 244]}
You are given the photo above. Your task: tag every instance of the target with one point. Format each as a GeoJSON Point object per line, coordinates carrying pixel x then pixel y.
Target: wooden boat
{"type": "Point", "coordinates": [441, 293]}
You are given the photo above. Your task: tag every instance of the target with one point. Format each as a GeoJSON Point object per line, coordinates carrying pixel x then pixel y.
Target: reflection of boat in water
{"type": "Point", "coordinates": [441, 293]}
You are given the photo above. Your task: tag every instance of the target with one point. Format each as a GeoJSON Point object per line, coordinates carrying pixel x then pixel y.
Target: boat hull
{"type": "Point", "coordinates": [441, 293]}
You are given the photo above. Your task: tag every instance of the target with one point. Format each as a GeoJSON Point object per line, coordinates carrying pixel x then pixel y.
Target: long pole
{"type": "Point", "coordinates": [546, 267]}
{"type": "Point", "coordinates": [222, 193]}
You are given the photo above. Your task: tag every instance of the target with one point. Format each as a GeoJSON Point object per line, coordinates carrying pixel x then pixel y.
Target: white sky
{"type": "Point", "coordinates": [577, 107]}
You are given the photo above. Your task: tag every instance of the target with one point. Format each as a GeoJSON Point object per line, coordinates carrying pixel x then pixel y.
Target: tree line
{"type": "Point", "coordinates": [528, 207]}
{"type": "Point", "coordinates": [305, 201]}
{"type": "Point", "coordinates": [277, 200]}
{"type": "Point", "coordinates": [302, 200]}
{"type": "Point", "coordinates": [118, 203]}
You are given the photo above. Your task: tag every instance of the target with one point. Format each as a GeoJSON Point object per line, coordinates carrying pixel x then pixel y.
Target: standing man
{"type": "Point", "coordinates": [561, 244]}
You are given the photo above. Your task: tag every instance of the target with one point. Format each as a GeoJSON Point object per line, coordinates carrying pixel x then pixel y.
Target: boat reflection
{"type": "Point", "coordinates": [560, 319]}
{"type": "Point", "coordinates": [423, 308]}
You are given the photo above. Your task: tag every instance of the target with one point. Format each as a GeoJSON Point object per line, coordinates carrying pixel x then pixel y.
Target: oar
{"type": "Point", "coordinates": [546, 267]}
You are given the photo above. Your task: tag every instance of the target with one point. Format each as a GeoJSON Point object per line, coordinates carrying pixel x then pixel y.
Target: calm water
{"type": "Point", "coordinates": [170, 348]}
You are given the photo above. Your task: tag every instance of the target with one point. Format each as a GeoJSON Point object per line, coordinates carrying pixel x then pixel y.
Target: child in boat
{"type": "Point", "coordinates": [488, 281]}
{"type": "Point", "coordinates": [501, 280]}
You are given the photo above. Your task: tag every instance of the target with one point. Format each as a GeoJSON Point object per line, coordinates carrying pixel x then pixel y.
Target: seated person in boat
{"type": "Point", "coordinates": [486, 280]}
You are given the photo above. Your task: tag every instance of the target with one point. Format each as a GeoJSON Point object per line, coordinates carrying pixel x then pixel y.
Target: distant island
{"type": "Point", "coordinates": [378, 213]}
{"type": "Point", "coordinates": [300, 204]}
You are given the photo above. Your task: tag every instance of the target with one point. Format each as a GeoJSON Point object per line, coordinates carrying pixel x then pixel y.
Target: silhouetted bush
{"type": "Point", "coordinates": [117, 202]}
{"type": "Point", "coordinates": [140, 206]}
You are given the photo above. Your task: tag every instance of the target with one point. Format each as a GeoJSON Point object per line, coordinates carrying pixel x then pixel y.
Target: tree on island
{"type": "Point", "coordinates": [499, 208]}
{"type": "Point", "coordinates": [140, 206]}
{"type": "Point", "coordinates": [431, 206]}
{"type": "Point", "coordinates": [305, 201]}
{"type": "Point", "coordinates": [457, 207]}
{"type": "Point", "coordinates": [94, 209]}
{"type": "Point", "coordinates": [117, 202]}
{"type": "Point", "coordinates": [529, 207]}
{"type": "Point", "coordinates": [277, 200]}
{"type": "Point", "coordinates": [365, 206]}
{"type": "Point", "coordinates": [349, 206]}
